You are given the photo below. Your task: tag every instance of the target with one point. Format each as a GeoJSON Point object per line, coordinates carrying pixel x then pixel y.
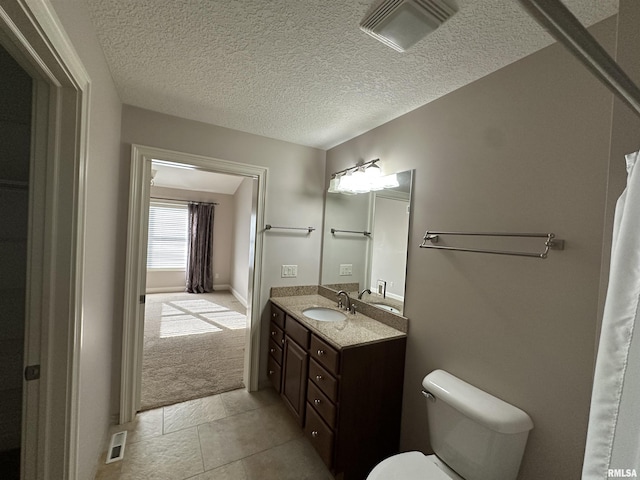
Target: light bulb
{"type": "Point", "coordinates": [373, 171]}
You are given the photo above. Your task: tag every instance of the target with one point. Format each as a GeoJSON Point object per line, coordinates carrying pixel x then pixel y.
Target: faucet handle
{"type": "Point", "coordinates": [340, 304]}
{"type": "Point", "coordinates": [353, 309]}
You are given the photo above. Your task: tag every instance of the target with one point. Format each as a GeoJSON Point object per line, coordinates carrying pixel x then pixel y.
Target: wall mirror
{"type": "Point", "coordinates": [365, 243]}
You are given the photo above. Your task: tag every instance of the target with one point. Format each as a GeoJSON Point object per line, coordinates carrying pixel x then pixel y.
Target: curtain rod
{"type": "Point", "coordinates": [182, 201]}
{"type": "Point", "coordinates": [567, 29]}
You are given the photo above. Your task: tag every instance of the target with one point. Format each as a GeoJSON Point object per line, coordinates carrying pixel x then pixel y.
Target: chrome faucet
{"type": "Point", "coordinates": [347, 306]}
{"type": "Point", "coordinates": [366, 290]}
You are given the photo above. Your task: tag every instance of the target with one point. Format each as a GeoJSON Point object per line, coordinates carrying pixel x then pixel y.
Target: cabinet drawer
{"type": "Point", "coordinates": [274, 372]}
{"type": "Point", "coordinates": [324, 354]}
{"type": "Point", "coordinates": [322, 404]}
{"type": "Point", "coordinates": [297, 332]}
{"type": "Point", "coordinates": [277, 316]}
{"type": "Point", "coordinates": [324, 380]}
{"type": "Point", "coordinates": [275, 351]}
{"type": "Point", "coordinates": [320, 436]}
{"type": "Point", "coordinates": [276, 334]}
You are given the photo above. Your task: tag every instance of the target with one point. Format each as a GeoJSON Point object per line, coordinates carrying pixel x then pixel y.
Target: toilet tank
{"type": "Point", "coordinates": [476, 434]}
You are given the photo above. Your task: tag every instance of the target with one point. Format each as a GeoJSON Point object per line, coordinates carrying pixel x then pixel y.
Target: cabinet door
{"type": "Point", "coordinates": [274, 372]}
{"type": "Point", "coordinates": [294, 377]}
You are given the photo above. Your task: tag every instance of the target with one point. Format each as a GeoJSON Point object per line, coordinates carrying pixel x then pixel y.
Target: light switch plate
{"type": "Point", "coordinates": [346, 269]}
{"type": "Point", "coordinates": [289, 271]}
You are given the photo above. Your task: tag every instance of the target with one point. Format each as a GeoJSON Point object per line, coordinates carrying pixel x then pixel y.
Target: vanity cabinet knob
{"type": "Point", "coordinates": [316, 401]}
{"type": "Point", "coordinates": [272, 350]}
{"type": "Point", "coordinates": [274, 315]}
{"type": "Point", "coordinates": [314, 434]}
{"type": "Point", "coordinates": [318, 377]}
{"type": "Point", "coordinates": [273, 333]}
{"type": "Point", "coordinates": [271, 372]}
{"type": "Point", "coordinates": [320, 353]}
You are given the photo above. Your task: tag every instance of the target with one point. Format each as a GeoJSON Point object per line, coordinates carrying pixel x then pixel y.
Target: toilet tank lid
{"type": "Point", "coordinates": [476, 404]}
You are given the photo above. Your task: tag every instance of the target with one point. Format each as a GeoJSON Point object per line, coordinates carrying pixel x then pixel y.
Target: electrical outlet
{"type": "Point", "coordinates": [289, 271]}
{"type": "Point", "coordinates": [346, 269]}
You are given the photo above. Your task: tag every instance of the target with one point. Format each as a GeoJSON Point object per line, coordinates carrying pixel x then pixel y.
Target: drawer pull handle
{"type": "Point", "coordinates": [321, 353]}
{"type": "Point", "coordinates": [274, 315]}
{"type": "Point", "coordinates": [271, 372]}
{"type": "Point", "coordinates": [318, 377]}
{"type": "Point", "coordinates": [316, 401]}
{"type": "Point", "coordinates": [282, 341]}
{"type": "Point", "coordinates": [272, 350]}
{"type": "Point", "coordinates": [273, 333]}
{"type": "Point", "coordinates": [314, 434]}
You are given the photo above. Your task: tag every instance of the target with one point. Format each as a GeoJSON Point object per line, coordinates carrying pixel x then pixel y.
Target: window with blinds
{"type": "Point", "coordinates": [168, 232]}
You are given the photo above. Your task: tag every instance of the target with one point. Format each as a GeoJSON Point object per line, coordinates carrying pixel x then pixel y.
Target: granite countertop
{"type": "Point", "coordinates": [355, 330]}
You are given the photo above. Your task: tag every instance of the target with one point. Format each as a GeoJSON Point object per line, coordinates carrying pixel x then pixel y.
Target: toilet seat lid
{"type": "Point", "coordinates": [407, 466]}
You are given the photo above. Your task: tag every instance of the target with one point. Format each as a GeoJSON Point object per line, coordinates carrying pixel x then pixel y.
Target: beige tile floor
{"type": "Point", "coordinates": [232, 436]}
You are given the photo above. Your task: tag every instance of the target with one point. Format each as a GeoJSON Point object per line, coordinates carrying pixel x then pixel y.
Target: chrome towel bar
{"type": "Point", "coordinates": [308, 229]}
{"type": "Point", "coordinates": [550, 242]}
{"type": "Point", "coordinates": [366, 234]}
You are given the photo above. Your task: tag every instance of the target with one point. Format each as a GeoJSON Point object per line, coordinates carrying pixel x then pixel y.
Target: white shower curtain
{"type": "Point", "coordinates": [613, 439]}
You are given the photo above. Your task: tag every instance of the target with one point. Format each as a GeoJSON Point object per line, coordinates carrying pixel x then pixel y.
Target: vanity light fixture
{"type": "Point", "coordinates": [362, 178]}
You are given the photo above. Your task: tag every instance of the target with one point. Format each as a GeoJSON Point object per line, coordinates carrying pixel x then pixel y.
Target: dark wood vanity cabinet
{"type": "Point", "coordinates": [288, 366]}
{"type": "Point", "coordinates": [351, 398]}
{"type": "Point", "coordinates": [276, 346]}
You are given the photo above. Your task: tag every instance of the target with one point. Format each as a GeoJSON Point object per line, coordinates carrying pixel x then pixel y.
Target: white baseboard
{"type": "Point", "coordinates": [166, 289]}
{"type": "Point", "coordinates": [179, 289]}
{"type": "Point", "coordinates": [114, 419]}
{"type": "Point", "coordinates": [239, 297]}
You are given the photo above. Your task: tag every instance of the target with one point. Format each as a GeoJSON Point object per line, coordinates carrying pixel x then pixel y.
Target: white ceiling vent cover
{"type": "Point", "coordinates": [401, 23]}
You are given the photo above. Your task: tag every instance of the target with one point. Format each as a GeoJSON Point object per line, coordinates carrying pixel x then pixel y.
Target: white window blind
{"type": "Point", "coordinates": [168, 233]}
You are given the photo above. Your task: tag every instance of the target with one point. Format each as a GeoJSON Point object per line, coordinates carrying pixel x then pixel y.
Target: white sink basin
{"type": "Point", "coordinates": [323, 314]}
{"type": "Point", "coordinates": [386, 307]}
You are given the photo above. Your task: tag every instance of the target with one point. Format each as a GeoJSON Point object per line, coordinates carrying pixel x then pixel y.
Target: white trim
{"type": "Point", "coordinates": [181, 289]}
{"type": "Point", "coordinates": [37, 33]}
{"type": "Point", "coordinates": [176, 289]}
{"type": "Point", "coordinates": [135, 270]}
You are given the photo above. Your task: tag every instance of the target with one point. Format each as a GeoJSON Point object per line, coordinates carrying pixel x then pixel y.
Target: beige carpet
{"type": "Point", "coordinates": [193, 346]}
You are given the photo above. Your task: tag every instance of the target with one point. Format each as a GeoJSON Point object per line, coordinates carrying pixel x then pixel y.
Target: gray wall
{"type": "Point", "coordinates": [15, 137]}
{"type": "Point", "coordinates": [241, 239]}
{"type": "Point", "coordinates": [294, 195]}
{"type": "Point", "coordinates": [104, 259]}
{"type": "Point", "coordinates": [524, 149]}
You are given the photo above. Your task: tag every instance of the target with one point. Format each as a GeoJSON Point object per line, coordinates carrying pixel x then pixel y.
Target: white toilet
{"type": "Point", "coordinates": [475, 436]}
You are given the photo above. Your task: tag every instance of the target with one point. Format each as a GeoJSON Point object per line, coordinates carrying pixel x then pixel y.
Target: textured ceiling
{"type": "Point", "coordinates": [302, 70]}
{"type": "Point", "coordinates": [193, 179]}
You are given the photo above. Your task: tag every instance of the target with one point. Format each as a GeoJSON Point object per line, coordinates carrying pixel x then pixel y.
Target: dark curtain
{"type": "Point", "coordinates": [199, 260]}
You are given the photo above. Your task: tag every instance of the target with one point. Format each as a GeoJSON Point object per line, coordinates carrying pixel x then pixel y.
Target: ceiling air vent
{"type": "Point", "coordinates": [401, 23]}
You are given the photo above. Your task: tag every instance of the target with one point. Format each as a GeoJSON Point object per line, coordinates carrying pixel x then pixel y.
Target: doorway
{"type": "Point", "coordinates": [136, 276]}
{"type": "Point", "coordinates": [194, 338]}
{"type": "Point", "coordinates": [15, 140]}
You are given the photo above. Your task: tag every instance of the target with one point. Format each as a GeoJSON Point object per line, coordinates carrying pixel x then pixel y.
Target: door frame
{"type": "Point", "coordinates": [33, 34]}
{"type": "Point", "coordinates": [136, 266]}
